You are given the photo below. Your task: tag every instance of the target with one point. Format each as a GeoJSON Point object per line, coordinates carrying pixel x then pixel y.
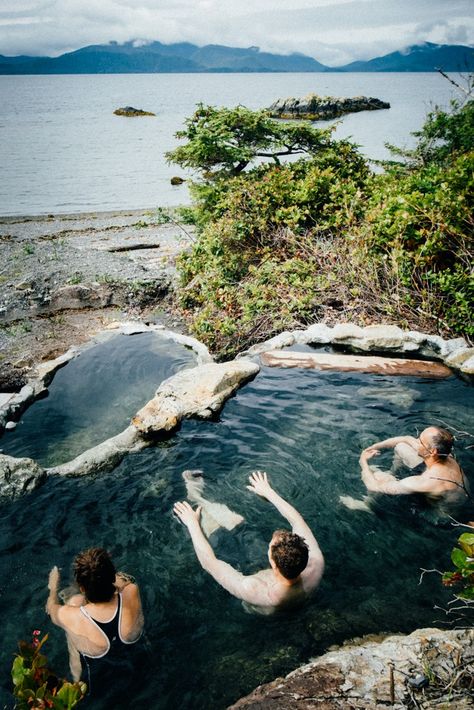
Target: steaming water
{"type": "Point", "coordinates": [63, 150]}
{"type": "Point", "coordinates": [306, 429]}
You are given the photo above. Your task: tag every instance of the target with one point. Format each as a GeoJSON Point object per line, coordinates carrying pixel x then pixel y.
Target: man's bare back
{"type": "Point", "coordinates": [267, 590]}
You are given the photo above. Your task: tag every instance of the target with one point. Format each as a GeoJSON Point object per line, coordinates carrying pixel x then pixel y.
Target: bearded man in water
{"type": "Point", "coordinates": [440, 478]}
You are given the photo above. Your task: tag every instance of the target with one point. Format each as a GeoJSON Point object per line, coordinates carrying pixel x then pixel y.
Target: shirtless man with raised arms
{"type": "Point", "coordinates": [441, 478]}
{"type": "Point", "coordinates": [296, 562]}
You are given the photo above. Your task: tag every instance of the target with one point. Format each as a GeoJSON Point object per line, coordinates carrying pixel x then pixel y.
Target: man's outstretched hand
{"type": "Point", "coordinates": [259, 484]}
{"type": "Point", "coordinates": [186, 514]}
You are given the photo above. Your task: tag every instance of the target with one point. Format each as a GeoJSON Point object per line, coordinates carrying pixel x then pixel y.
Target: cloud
{"type": "Point", "coordinates": [332, 31]}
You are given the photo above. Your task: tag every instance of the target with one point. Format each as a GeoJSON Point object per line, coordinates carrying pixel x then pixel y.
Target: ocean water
{"type": "Point", "coordinates": [63, 150]}
{"type": "Point", "coordinates": [306, 428]}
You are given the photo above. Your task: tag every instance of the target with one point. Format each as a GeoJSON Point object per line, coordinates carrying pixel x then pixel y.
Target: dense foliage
{"type": "Point", "coordinates": [35, 685]}
{"type": "Point", "coordinates": [462, 578]}
{"type": "Point", "coordinates": [323, 237]}
{"type": "Point", "coordinates": [224, 141]}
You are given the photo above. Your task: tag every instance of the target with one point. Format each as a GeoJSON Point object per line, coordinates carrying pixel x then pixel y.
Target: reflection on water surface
{"type": "Point", "coordinates": [306, 429]}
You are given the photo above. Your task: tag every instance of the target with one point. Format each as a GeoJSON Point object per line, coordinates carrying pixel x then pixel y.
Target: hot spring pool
{"type": "Point", "coordinates": [307, 429]}
{"type": "Point", "coordinates": [94, 396]}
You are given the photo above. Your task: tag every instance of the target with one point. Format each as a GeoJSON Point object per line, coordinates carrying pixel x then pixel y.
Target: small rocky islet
{"type": "Point", "coordinates": [131, 112]}
{"type": "Point", "coordinates": [320, 108]}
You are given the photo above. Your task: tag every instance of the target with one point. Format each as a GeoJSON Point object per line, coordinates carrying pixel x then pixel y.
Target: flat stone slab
{"type": "Point", "coordinates": [355, 363]}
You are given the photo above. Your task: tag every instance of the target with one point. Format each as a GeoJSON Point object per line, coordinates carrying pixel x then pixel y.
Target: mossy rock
{"type": "Point", "coordinates": [130, 111]}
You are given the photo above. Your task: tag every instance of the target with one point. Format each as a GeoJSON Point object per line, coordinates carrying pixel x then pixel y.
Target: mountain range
{"type": "Point", "coordinates": [140, 57]}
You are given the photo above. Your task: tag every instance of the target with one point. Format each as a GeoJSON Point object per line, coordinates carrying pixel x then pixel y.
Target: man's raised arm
{"type": "Point", "coordinates": [247, 588]}
{"type": "Point", "coordinates": [259, 484]}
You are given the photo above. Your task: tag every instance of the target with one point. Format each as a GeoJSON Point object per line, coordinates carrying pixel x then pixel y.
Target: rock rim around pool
{"type": "Point", "coordinates": [195, 392]}
{"type": "Point", "coordinates": [455, 353]}
{"type": "Point", "coordinates": [131, 112]}
{"type": "Point", "coordinates": [320, 108]}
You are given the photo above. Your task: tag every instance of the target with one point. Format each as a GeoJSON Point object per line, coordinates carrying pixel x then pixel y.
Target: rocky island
{"type": "Point", "coordinates": [132, 112]}
{"type": "Point", "coordinates": [321, 108]}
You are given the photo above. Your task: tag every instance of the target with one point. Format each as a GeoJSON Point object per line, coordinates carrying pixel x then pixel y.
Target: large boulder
{"type": "Point", "coordinates": [18, 476]}
{"type": "Point", "coordinates": [320, 108]}
{"type": "Point", "coordinates": [200, 391]}
{"type": "Point", "coordinates": [367, 674]}
{"type": "Point", "coordinates": [104, 456]}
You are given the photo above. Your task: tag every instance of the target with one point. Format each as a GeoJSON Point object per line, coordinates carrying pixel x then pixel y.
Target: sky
{"type": "Point", "coordinates": [332, 31]}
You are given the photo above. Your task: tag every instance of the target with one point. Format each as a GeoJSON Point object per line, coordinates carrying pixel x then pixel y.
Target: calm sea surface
{"type": "Point", "coordinates": [63, 150]}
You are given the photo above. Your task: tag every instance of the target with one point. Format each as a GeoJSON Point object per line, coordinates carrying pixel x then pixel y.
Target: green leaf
{"type": "Point", "coordinates": [458, 558]}
{"type": "Point", "coordinates": [19, 671]}
{"type": "Point", "coordinates": [467, 593]}
{"type": "Point", "coordinates": [466, 542]}
{"type": "Point", "coordinates": [69, 694]}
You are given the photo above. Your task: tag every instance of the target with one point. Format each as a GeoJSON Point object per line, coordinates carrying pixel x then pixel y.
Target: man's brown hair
{"type": "Point", "coordinates": [290, 553]}
{"type": "Point", "coordinates": [95, 574]}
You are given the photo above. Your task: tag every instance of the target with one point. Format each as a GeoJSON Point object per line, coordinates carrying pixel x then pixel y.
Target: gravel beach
{"type": "Point", "coordinates": [65, 277]}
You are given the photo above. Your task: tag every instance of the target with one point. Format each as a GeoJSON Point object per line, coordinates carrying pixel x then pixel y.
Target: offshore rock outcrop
{"type": "Point", "coordinates": [132, 112]}
{"type": "Point", "coordinates": [321, 108]}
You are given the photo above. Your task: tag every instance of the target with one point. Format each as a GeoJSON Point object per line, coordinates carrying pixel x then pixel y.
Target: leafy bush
{"type": "Point", "coordinates": [422, 223]}
{"type": "Point", "coordinates": [35, 685]}
{"type": "Point", "coordinates": [462, 558]}
{"type": "Point", "coordinates": [284, 245]}
{"type": "Point", "coordinates": [224, 141]}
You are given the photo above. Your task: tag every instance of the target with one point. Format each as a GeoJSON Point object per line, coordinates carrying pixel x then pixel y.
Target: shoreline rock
{"type": "Point", "coordinates": [323, 108]}
{"type": "Point", "coordinates": [367, 674]}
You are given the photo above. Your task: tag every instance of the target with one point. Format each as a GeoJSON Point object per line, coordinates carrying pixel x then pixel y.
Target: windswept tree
{"type": "Point", "coordinates": [224, 141]}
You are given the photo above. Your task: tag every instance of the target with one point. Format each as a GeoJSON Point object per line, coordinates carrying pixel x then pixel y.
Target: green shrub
{"type": "Point", "coordinates": [278, 242]}
{"type": "Point", "coordinates": [35, 685]}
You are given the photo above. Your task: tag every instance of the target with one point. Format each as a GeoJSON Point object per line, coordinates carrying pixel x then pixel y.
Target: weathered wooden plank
{"type": "Point", "coordinates": [373, 364]}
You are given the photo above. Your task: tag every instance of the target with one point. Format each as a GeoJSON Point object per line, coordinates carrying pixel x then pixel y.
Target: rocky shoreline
{"type": "Point", "coordinates": [430, 668]}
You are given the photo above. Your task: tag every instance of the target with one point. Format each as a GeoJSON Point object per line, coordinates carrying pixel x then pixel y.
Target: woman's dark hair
{"type": "Point", "coordinates": [95, 574]}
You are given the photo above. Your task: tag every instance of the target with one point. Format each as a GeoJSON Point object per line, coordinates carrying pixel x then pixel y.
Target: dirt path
{"type": "Point", "coordinates": [64, 277]}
